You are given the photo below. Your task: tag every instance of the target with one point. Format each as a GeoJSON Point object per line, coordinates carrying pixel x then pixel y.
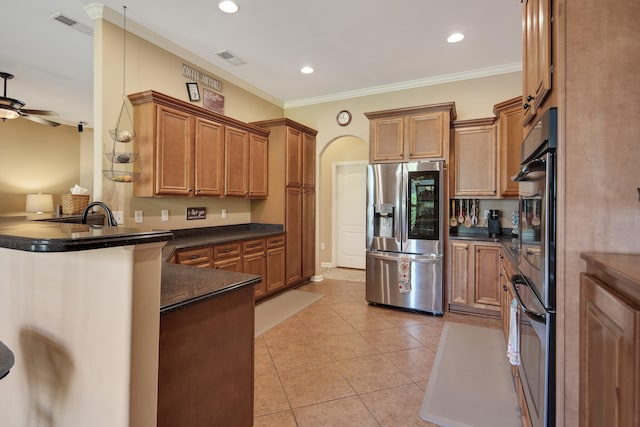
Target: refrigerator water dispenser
{"type": "Point", "coordinates": [383, 223]}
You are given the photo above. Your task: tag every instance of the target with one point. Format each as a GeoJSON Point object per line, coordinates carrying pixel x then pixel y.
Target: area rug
{"type": "Point", "coordinates": [278, 309]}
{"type": "Point", "coordinates": [470, 383]}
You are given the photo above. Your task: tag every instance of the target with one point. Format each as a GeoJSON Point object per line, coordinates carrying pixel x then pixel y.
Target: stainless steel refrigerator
{"type": "Point", "coordinates": [405, 230]}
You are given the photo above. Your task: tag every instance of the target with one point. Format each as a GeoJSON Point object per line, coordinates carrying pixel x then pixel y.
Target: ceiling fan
{"type": "Point", "coordinates": [12, 108]}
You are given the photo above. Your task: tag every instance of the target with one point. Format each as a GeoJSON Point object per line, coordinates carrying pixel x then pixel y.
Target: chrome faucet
{"type": "Point", "coordinates": [111, 221]}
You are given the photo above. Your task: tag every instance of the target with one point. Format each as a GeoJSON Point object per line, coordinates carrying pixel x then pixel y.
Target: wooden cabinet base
{"type": "Point", "coordinates": [206, 362]}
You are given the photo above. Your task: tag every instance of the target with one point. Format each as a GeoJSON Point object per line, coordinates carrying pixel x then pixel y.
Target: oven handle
{"type": "Point", "coordinates": [517, 279]}
{"type": "Point", "coordinates": [535, 165]}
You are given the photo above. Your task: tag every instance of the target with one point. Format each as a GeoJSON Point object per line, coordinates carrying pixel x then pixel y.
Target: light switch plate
{"type": "Point", "coordinates": [165, 215]}
{"type": "Point", "coordinates": [224, 213]}
{"type": "Point", "coordinates": [138, 217]}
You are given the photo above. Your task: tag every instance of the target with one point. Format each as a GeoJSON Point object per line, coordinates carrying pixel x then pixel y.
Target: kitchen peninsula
{"type": "Point", "coordinates": [82, 308]}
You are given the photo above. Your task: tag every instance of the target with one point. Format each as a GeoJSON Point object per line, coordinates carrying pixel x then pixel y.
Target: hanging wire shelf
{"type": "Point", "coordinates": [122, 157]}
{"type": "Point", "coordinates": [120, 176]}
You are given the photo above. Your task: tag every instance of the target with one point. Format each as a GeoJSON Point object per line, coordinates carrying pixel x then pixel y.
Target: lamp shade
{"type": "Point", "coordinates": [39, 203]}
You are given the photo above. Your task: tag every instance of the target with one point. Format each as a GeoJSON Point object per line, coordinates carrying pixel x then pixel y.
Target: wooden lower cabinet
{"type": "Point", "coordinates": [198, 257]}
{"type": "Point", "coordinates": [609, 337]}
{"type": "Point", "coordinates": [254, 262]}
{"type": "Point", "coordinates": [206, 354]}
{"type": "Point", "coordinates": [474, 277]}
{"type": "Point", "coordinates": [263, 257]}
{"type": "Point", "coordinates": [275, 264]}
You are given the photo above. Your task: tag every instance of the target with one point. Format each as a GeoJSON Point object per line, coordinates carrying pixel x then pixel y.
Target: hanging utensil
{"type": "Point", "coordinates": [535, 220]}
{"type": "Point", "coordinates": [453, 222]}
{"type": "Point", "coordinates": [467, 220]}
{"type": "Point", "coordinates": [461, 214]}
{"type": "Point", "coordinates": [474, 217]}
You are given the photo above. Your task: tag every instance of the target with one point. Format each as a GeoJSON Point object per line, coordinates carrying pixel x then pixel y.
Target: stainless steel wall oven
{"type": "Point", "coordinates": [535, 283]}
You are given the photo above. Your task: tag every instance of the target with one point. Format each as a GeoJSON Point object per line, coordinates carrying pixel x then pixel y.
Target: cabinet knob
{"type": "Point", "coordinates": [525, 106]}
{"type": "Point", "coordinates": [504, 288]}
{"type": "Point", "coordinates": [530, 98]}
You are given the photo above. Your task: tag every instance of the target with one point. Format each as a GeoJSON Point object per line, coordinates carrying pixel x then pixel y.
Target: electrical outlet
{"type": "Point", "coordinates": [486, 214]}
{"type": "Point", "coordinates": [119, 216]}
{"type": "Point", "coordinates": [224, 213]}
{"type": "Point", "coordinates": [322, 246]}
{"type": "Point", "coordinates": [165, 215]}
{"type": "Point", "coordinates": [138, 217]}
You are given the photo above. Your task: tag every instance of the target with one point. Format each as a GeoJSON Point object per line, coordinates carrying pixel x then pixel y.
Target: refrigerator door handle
{"type": "Point", "coordinates": [394, 256]}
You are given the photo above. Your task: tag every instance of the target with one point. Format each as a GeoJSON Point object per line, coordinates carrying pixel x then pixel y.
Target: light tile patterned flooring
{"type": "Point", "coordinates": [342, 362]}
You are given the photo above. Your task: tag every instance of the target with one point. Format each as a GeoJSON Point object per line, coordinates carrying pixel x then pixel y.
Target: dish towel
{"type": "Point", "coordinates": [404, 274]}
{"type": "Point", "coordinates": [513, 347]}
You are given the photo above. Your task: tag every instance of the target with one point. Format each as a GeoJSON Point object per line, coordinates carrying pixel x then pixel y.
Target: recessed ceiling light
{"type": "Point", "coordinates": [228, 6]}
{"type": "Point", "coordinates": [306, 69]}
{"type": "Point", "coordinates": [455, 37]}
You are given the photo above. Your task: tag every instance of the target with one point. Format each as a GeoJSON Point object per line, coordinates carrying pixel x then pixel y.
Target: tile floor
{"type": "Point", "coordinates": [342, 362]}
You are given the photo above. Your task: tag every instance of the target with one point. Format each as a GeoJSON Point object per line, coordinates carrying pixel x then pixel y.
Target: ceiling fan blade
{"type": "Point", "coordinates": [39, 112]}
{"type": "Point", "coordinates": [39, 120]}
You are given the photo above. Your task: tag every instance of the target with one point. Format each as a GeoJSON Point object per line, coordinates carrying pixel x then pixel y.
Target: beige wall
{"type": "Point", "coordinates": [38, 158]}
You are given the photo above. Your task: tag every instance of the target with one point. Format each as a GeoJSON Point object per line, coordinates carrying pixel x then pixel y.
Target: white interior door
{"type": "Point", "coordinates": [350, 202]}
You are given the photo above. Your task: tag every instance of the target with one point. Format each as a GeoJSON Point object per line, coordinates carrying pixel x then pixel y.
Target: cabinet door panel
{"type": "Point", "coordinates": [293, 224]}
{"type": "Point", "coordinates": [275, 269]}
{"type": "Point", "coordinates": [487, 275]}
{"type": "Point", "coordinates": [309, 161]}
{"type": "Point", "coordinates": [510, 135]}
{"type": "Point", "coordinates": [258, 166]}
{"type": "Point", "coordinates": [174, 173]}
{"type": "Point", "coordinates": [255, 264]}
{"type": "Point", "coordinates": [209, 157]}
{"type": "Point", "coordinates": [236, 162]}
{"type": "Point", "coordinates": [294, 157]}
{"type": "Point", "coordinates": [475, 162]}
{"type": "Point", "coordinates": [425, 134]}
{"type": "Point", "coordinates": [460, 260]}
{"type": "Point", "coordinates": [387, 139]}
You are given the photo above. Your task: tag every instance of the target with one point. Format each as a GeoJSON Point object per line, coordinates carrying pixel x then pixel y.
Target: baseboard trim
{"type": "Point", "coordinates": [316, 278]}
{"type": "Point", "coordinates": [327, 265]}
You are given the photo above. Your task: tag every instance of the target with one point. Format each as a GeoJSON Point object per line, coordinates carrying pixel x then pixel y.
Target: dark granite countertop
{"type": "Point", "coordinates": [183, 285]}
{"type": "Point", "coordinates": [196, 237]}
{"type": "Point", "coordinates": [45, 236]}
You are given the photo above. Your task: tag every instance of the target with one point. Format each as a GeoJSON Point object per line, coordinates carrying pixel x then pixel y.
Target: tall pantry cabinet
{"type": "Point", "coordinates": [292, 194]}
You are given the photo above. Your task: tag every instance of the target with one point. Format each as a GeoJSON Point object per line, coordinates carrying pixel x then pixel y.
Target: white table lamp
{"type": "Point", "coordinates": [39, 203]}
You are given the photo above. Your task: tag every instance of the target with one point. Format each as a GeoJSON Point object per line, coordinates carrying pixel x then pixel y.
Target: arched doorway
{"type": "Point", "coordinates": [342, 203]}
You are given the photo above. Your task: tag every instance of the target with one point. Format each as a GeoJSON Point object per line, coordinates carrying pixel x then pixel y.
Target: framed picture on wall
{"type": "Point", "coordinates": [213, 101]}
{"type": "Point", "coordinates": [194, 92]}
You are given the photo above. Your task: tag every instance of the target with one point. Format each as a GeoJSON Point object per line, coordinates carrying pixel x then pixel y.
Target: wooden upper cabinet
{"type": "Point", "coordinates": [209, 157]}
{"type": "Point", "coordinates": [258, 166]}
{"type": "Point", "coordinates": [475, 157]}
{"type": "Point", "coordinates": [236, 145]}
{"type": "Point", "coordinates": [410, 133]}
{"type": "Point", "coordinates": [386, 139]}
{"type": "Point", "coordinates": [185, 150]}
{"type": "Point", "coordinates": [426, 133]}
{"type": "Point", "coordinates": [537, 67]}
{"type": "Point", "coordinates": [510, 134]}
{"type": "Point", "coordinates": [308, 160]}
{"type": "Point", "coordinates": [294, 157]}
{"type": "Point", "coordinates": [174, 161]}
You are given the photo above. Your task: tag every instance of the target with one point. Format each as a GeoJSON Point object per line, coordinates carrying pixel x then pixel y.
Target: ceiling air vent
{"type": "Point", "coordinates": [230, 57]}
{"type": "Point", "coordinates": [85, 29]}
